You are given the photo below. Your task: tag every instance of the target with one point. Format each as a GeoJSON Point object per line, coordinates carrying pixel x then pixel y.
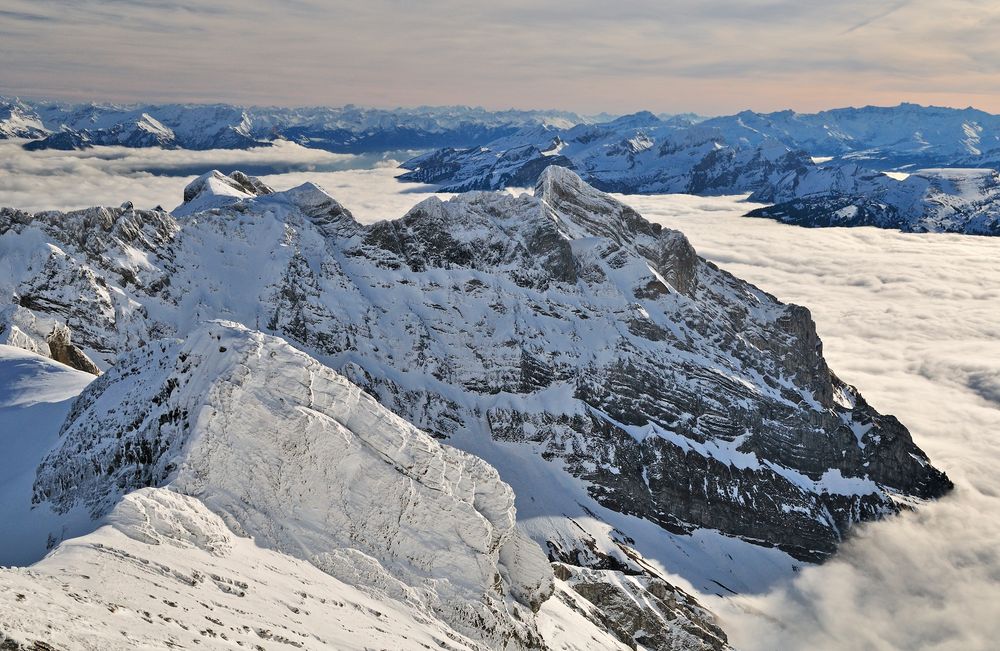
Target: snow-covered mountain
{"type": "Point", "coordinates": [563, 322]}
{"type": "Point", "coordinates": [642, 153]}
{"type": "Point", "coordinates": [19, 120]}
{"type": "Point", "coordinates": [767, 154]}
{"type": "Point", "coordinates": [349, 129]}
{"type": "Point", "coordinates": [887, 136]}
{"type": "Point", "coordinates": [771, 156]}
{"type": "Point", "coordinates": [949, 200]}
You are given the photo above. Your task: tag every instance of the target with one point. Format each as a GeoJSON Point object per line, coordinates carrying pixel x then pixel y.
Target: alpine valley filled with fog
{"type": "Point", "coordinates": [280, 372]}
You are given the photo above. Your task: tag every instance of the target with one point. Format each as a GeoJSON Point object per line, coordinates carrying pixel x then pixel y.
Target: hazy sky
{"type": "Point", "coordinates": [710, 56]}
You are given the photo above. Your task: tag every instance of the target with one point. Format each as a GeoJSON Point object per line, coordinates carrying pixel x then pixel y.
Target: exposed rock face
{"type": "Point", "coordinates": [111, 251]}
{"type": "Point", "coordinates": [62, 141]}
{"type": "Point", "coordinates": [641, 610]}
{"type": "Point", "coordinates": [286, 450]}
{"type": "Point", "coordinates": [563, 323]}
{"type": "Point", "coordinates": [62, 350]}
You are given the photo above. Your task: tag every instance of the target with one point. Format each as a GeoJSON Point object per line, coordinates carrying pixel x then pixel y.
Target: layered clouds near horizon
{"type": "Point", "coordinates": [912, 320]}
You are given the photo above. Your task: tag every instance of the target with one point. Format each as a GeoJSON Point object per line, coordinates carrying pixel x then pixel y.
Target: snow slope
{"type": "Point", "coordinates": [35, 396]}
{"type": "Point", "coordinates": [291, 453]}
{"type": "Point", "coordinates": [291, 509]}
{"type": "Point", "coordinates": [166, 572]}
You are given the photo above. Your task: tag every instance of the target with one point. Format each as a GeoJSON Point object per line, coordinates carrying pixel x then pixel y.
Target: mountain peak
{"type": "Point", "coordinates": [214, 190]}
{"type": "Point", "coordinates": [637, 119]}
{"type": "Point", "coordinates": [582, 210]}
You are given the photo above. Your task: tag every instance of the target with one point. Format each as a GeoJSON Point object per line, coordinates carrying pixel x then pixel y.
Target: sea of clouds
{"type": "Point", "coordinates": [108, 176]}
{"type": "Point", "coordinates": [912, 320]}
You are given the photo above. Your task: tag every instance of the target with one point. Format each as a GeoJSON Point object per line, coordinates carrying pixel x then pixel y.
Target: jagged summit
{"type": "Point", "coordinates": [214, 190]}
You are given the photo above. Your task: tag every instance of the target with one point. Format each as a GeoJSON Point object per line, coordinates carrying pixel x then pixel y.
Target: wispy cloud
{"type": "Point", "coordinates": [865, 22]}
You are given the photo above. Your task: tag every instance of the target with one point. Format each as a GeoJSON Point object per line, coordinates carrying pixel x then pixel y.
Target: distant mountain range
{"type": "Point", "coordinates": [348, 129]}
{"type": "Point", "coordinates": [828, 164]}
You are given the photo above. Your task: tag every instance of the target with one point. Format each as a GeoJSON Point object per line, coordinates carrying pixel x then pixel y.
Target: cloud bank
{"type": "Point", "coordinates": [108, 176]}
{"type": "Point", "coordinates": [713, 57]}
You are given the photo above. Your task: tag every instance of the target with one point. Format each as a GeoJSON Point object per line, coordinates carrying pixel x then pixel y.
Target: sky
{"type": "Point", "coordinates": [706, 56]}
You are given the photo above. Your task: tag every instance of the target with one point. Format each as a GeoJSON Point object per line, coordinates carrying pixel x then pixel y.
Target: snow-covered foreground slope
{"type": "Point", "coordinates": [166, 572]}
{"type": "Point", "coordinates": [35, 396]}
{"type": "Point", "coordinates": [289, 452]}
{"type": "Point", "coordinates": [294, 509]}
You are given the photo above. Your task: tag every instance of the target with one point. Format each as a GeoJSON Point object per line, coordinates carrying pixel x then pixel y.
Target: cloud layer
{"type": "Point", "coordinates": [108, 176]}
{"type": "Point", "coordinates": [589, 55]}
